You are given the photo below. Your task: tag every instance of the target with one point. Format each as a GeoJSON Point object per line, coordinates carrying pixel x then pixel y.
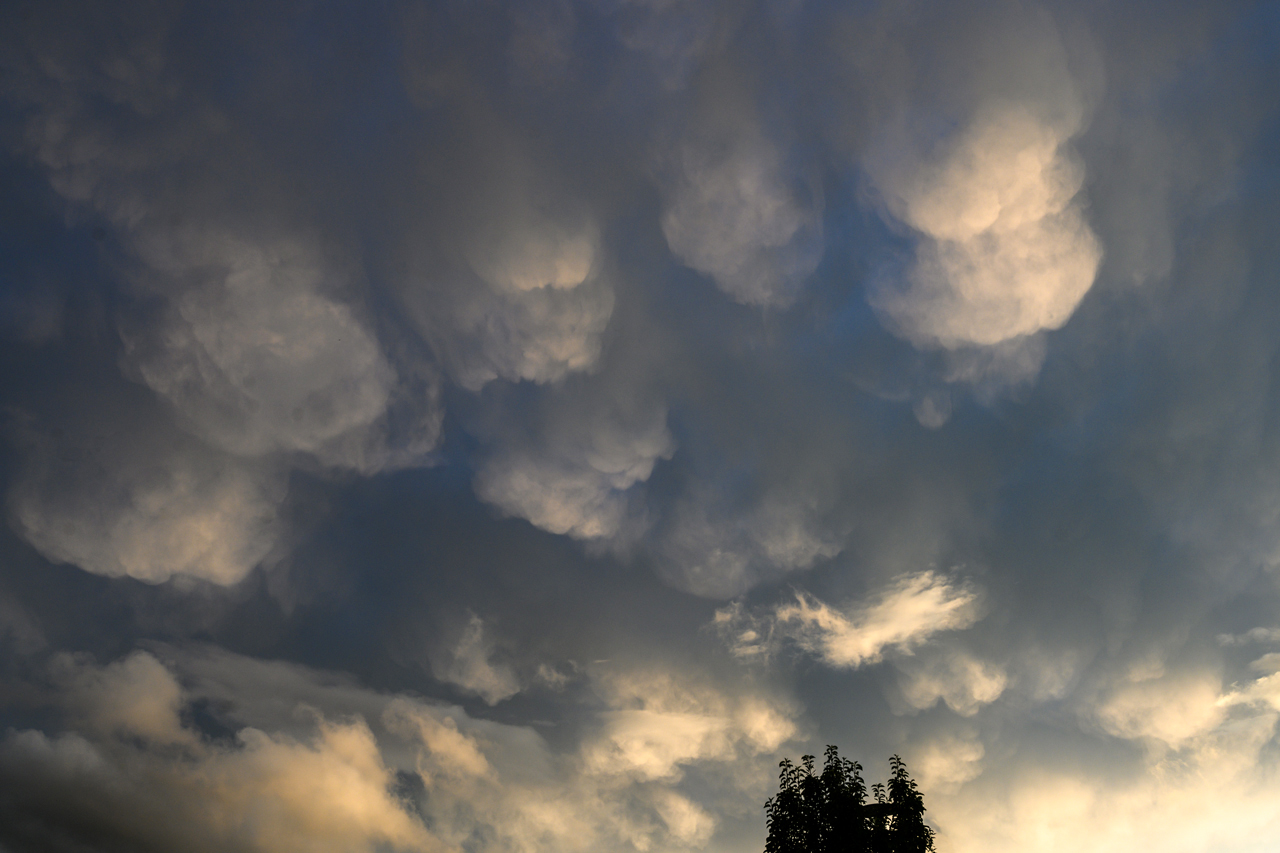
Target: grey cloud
{"type": "Point", "coordinates": [734, 213]}
{"type": "Point", "coordinates": [258, 360]}
{"type": "Point", "coordinates": [714, 551]}
{"type": "Point", "coordinates": [315, 760]}
{"type": "Point", "coordinates": [467, 663]}
{"type": "Point", "coordinates": [137, 499]}
{"type": "Point", "coordinates": [261, 347]}
{"type": "Point", "coordinates": [533, 304]}
{"type": "Point", "coordinates": [579, 479]}
{"type": "Point", "coordinates": [779, 304]}
{"type": "Point", "coordinates": [672, 36]}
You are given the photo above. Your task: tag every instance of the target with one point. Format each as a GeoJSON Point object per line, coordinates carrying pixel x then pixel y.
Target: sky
{"type": "Point", "coordinates": [482, 427]}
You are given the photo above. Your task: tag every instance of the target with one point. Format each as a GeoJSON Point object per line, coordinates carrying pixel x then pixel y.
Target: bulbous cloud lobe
{"type": "Point", "coordinates": [138, 500]}
{"type": "Point", "coordinates": [1004, 251]}
{"type": "Point", "coordinates": [733, 215]}
{"type": "Point", "coordinates": [257, 359]}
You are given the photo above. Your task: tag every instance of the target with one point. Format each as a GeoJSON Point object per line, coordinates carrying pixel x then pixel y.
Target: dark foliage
{"type": "Point", "coordinates": [829, 812]}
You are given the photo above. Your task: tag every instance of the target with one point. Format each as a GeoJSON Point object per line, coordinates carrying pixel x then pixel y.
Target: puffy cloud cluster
{"type": "Point", "coordinates": [138, 776]}
{"type": "Point", "coordinates": [1005, 250]}
{"type": "Point", "coordinates": [529, 300]}
{"type": "Point", "coordinates": [235, 314]}
{"type": "Point", "coordinates": [319, 763]}
{"type": "Point", "coordinates": [252, 250]}
{"type": "Point", "coordinates": [257, 359]}
{"type": "Point", "coordinates": [1201, 780]}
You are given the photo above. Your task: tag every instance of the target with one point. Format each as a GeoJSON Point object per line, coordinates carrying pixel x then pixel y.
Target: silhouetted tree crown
{"type": "Point", "coordinates": [829, 813]}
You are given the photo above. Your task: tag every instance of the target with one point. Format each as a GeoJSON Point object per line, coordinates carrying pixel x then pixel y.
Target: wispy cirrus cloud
{"type": "Point", "coordinates": [900, 617]}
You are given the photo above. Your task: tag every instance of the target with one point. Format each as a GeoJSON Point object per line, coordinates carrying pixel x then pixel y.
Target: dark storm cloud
{"type": "Point", "coordinates": [499, 427]}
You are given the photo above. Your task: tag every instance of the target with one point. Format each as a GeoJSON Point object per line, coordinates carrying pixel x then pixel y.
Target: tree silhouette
{"type": "Point", "coordinates": [829, 812]}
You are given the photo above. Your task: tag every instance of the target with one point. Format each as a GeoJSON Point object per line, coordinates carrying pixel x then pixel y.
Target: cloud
{"type": "Point", "coordinates": [898, 618]}
{"type": "Point", "coordinates": [945, 763]}
{"type": "Point", "coordinates": [264, 791]}
{"type": "Point", "coordinates": [720, 552]}
{"type": "Point", "coordinates": [254, 357]}
{"type": "Point", "coordinates": [578, 476]}
{"type": "Point", "coordinates": [956, 677]}
{"type": "Point", "coordinates": [467, 664]}
{"type": "Point", "coordinates": [1208, 741]}
{"type": "Point", "coordinates": [1005, 250]}
{"type": "Point", "coordinates": [130, 498]}
{"type": "Point", "coordinates": [734, 215]}
{"type": "Point", "coordinates": [982, 177]}
{"type": "Point", "coordinates": [708, 291]}
{"type": "Point", "coordinates": [1253, 635]}
{"type": "Point", "coordinates": [318, 762]}
{"type": "Point", "coordinates": [672, 37]}
{"type": "Point", "coordinates": [134, 696]}
{"type": "Point", "coordinates": [515, 283]}
{"type": "Point", "coordinates": [1170, 708]}
{"type": "Point", "coordinates": [242, 321]}
{"type": "Point", "coordinates": [659, 725]}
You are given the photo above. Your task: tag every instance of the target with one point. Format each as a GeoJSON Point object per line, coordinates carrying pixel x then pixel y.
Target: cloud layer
{"type": "Point", "coordinates": [504, 427]}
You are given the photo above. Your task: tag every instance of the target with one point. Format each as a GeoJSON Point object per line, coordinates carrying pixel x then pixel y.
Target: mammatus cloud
{"type": "Point", "coordinates": [248, 251]}
{"type": "Point", "coordinates": [577, 479]}
{"type": "Point", "coordinates": [125, 498]}
{"type": "Point", "coordinates": [898, 618]}
{"type": "Point", "coordinates": [1253, 635]}
{"type": "Point", "coordinates": [988, 187]}
{"type": "Point", "coordinates": [256, 359]}
{"type": "Point", "coordinates": [960, 680]}
{"type": "Point", "coordinates": [947, 762]}
{"type": "Point", "coordinates": [516, 285]}
{"type": "Point", "coordinates": [537, 311]}
{"type": "Point", "coordinates": [1004, 250]}
{"type": "Point", "coordinates": [719, 552]}
{"type": "Point", "coordinates": [735, 214]}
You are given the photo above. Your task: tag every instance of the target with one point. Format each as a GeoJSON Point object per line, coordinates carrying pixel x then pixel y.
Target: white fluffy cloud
{"type": "Point", "coordinates": [1004, 249]}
